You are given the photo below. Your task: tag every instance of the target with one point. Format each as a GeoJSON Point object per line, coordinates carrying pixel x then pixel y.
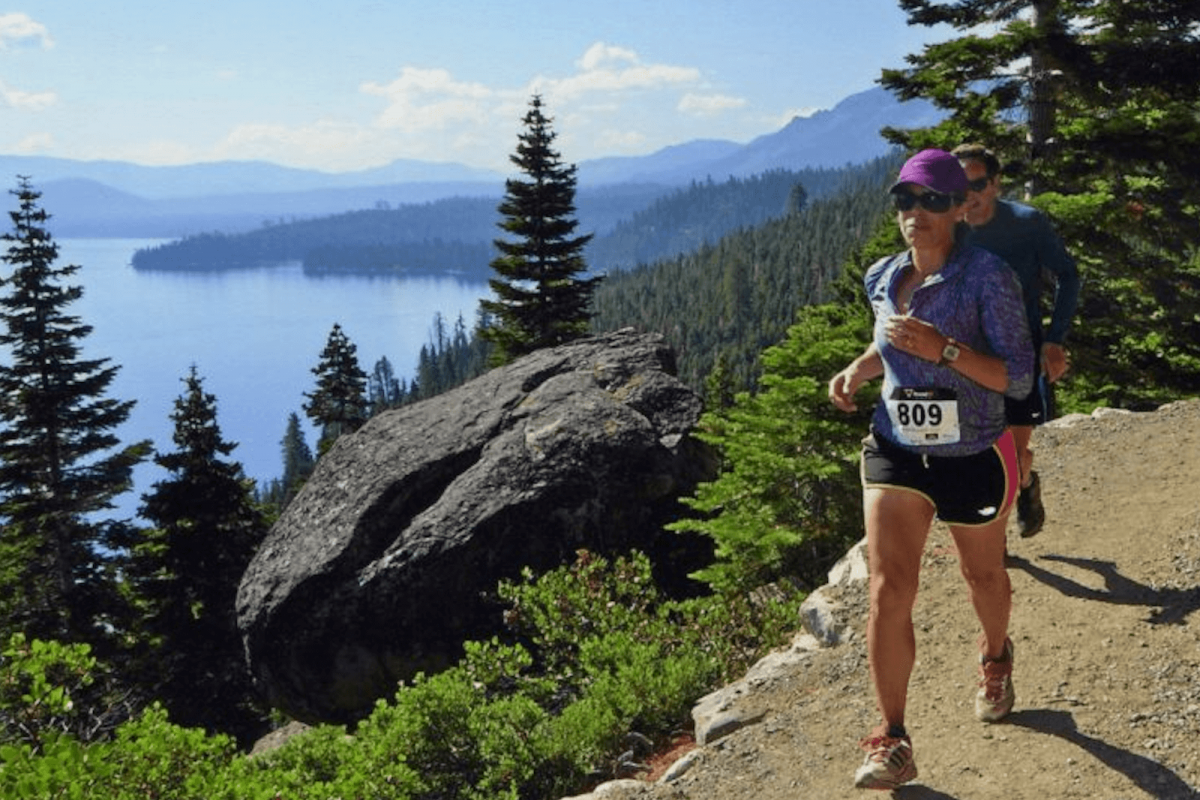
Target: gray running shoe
{"type": "Point", "coordinates": [1031, 514]}
{"type": "Point", "coordinates": [888, 763]}
{"type": "Point", "coordinates": [996, 696]}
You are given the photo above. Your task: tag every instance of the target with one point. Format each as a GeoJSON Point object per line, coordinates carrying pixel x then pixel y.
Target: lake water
{"type": "Point", "coordinates": [253, 335]}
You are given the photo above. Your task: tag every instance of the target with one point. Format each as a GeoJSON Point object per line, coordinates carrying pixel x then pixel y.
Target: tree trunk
{"type": "Point", "coordinates": [1042, 89]}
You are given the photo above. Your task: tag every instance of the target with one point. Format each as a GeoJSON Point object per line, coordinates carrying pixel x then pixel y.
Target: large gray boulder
{"type": "Point", "coordinates": [381, 566]}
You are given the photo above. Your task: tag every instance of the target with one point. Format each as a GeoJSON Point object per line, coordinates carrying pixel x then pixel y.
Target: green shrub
{"type": "Point", "coordinates": [38, 681]}
{"type": "Point", "coordinates": [153, 759]}
{"type": "Point", "coordinates": [59, 768]}
{"type": "Point", "coordinates": [326, 762]}
{"type": "Point", "coordinates": [602, 654]}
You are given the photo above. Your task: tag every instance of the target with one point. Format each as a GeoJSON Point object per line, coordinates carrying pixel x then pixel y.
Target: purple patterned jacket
{"type": "Point", "coordinates": [976, 299]}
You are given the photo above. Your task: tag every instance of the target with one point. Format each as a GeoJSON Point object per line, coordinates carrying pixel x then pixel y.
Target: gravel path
{"type": "Point", "coordinates": [1107, 639]}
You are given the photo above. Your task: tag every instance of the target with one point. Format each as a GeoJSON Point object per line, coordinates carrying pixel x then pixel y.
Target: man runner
{"type": "Point", "coordinates": [1023, 236]}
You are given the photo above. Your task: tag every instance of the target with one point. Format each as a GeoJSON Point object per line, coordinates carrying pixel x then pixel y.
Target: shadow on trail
{"type": "Point", "coordinates": [1171, 606]}
{"type": "Point", "coordinates": [915, 791]}
{"type": "Point", "coordinates": [1152, 777]}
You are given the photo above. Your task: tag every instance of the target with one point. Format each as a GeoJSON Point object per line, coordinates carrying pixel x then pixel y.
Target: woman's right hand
{"type": "Point", "coordinates": [842, 388]}
{"type": "Point", "coordinates": [844, 385]}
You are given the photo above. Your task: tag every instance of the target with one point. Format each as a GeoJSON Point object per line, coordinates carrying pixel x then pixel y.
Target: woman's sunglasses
{"type": "Point", "coordinates": [930, 201]}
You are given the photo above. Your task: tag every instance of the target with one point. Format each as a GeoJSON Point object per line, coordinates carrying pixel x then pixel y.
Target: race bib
{"type": "Point", "coordinates": [924, 416]}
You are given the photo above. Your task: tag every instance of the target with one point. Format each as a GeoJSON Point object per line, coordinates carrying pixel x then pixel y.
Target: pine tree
{"type": "Point", "coordinates": [61, 465]}
{"type": "Point", "coordinates": [339, 403]}
{"type": "Point", "coordinates": [186, 570]}
{"type": "Point", "coordinates": [383, 388]}
{"type": "Point", "coordinates": [540, 299]}
{"type": "Point", "coordinates": [786, 502]}
{"type": "Point", "coordinates": [1095, 100]}
{"type": "Point", "coordinates": [298, 460]}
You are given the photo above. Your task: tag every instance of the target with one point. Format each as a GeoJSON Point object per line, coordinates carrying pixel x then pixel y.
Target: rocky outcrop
{"type": "Point", "coordinates": [381, 566]}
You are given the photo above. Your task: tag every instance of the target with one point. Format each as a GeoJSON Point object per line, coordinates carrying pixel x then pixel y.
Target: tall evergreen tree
{"type": "Point", "coordinates": [541, 298]}
{"type": "Point", "coordinates": [383, 387]}
{"type": "Point", "coordinates": [1096, 100]}
{"type": "Point", "coordinates": [339, 403]}
{"type": "Point", "coordinates": [186, 570]}
{"type": "Point", "coordinates": [786, 502]}
{"type": "Point", "coordinates": [298, 460]}
{"type": "Point", "coordinates": [61, 464]}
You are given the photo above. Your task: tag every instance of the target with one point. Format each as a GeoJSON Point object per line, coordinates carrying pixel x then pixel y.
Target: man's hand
{"type": "Point", "coordinates": [1055, 361]}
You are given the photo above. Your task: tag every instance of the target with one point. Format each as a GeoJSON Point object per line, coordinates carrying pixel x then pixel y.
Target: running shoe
{"type": "Point", "coordinates": [996, 696]}
{"type": "Point", "coordinates": [888, 763]}
{"type": "Point", "coordinates": [1031, 514]}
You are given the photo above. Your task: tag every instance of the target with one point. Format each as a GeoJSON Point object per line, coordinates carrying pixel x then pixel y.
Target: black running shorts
{"type": "Point", "coordinates": [1035, 409]}
{"type": "Point", "coordinates": [965, 490]}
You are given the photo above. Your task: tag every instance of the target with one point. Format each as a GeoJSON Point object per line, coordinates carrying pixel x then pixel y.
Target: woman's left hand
{"type": "Point", "coordinates": [915, 337]}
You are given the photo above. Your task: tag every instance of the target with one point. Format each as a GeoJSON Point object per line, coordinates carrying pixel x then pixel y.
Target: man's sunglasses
{"type": "Point", "coordinates": [930, 201]}
{"type": "Point", "coordinates": [979, 184]}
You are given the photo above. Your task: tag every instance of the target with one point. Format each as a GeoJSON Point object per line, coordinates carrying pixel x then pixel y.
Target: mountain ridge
{"type": "Point", "coordinates": [122, 199]}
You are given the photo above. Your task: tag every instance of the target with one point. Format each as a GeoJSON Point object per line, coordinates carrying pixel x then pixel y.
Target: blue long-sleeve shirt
{"type": "Point", "coordinates": [1024, 238]}
{"type": "Point", "coordinates": [975, 299]}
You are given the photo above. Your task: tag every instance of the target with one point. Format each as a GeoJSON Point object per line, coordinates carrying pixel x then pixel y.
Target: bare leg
{"type": "Point", "coordinates": [897, 525]}
{"type": "Point", "coordinates": [981, 559]}
{"type": "Point", "coordinates": [1022, 436]}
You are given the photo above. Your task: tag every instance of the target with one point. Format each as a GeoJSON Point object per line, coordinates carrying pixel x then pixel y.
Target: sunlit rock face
{"type": "Point", "coordinates": [387, 559]}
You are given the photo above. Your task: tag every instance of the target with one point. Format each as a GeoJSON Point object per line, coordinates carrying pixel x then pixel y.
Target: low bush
{"type": "Point", "coordinates": [595, 654]}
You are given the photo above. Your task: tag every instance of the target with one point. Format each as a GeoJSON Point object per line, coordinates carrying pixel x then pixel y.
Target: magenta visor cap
{"type": "Point", "coordinates": [936, 170]}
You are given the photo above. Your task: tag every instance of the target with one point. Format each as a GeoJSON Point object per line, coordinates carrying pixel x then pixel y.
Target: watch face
{"type": "Point", "coordinates": [950, 352]}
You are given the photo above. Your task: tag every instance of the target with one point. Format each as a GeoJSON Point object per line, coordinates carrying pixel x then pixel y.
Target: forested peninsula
{"type": "Point", "coordinates": [633, 224]}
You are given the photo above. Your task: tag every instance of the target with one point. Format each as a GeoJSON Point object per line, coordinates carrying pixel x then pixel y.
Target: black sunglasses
{"type": "Point", "coordinates": [930, 201]}
{"type": "Point", "coordinates": [979, 184]}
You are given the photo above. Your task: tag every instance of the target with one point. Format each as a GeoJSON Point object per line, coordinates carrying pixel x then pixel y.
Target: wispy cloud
{"type": "Point", "coordinates": [429, 112]}
{"type": "Point", "coordinates": [620, 141]}
{"type": "Point", "coordinates": [607, 68]}
{"type": "Point", "coordinates": [34, 143]}
{"type": "Point", "coordinates": [803, 113]}
{"type": "Point", "coordinates": [26, 101]}
{"type": "Point", "coordinates": [707, 105]}
{"type": "Point", "coordinates": [20, 29]}
{"type": "Point", "coordinates": [267, 141]}
{"type": "Point", "coordinates": [429, 99]}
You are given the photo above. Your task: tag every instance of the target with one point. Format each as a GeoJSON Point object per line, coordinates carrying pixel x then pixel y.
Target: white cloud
{"type": "Point", "coordinates": [620, 141]}
{"type": "Point", "coordinates": [20, 29]}
{"type": "Point", "coordinates": [157, 151]}
{"type": "Point", "coordinates": [26, 101]}
{"type": "Point", "coordinates": [707, 105]}
{"type": "Point", "coordinates": [606, 68]}
{"type": "Point", "coordinates": [802, 113]}
{"type": "Point", "coordinates": [35, 143]}
{"type": "Point", "coordinates": [430, 113]}
{"type": "Point", "coordinates": [429, 99]}
{"type": "Point", "coordinates": [322, 140]}
{"type": "Point", "coordinates": [599, 53]}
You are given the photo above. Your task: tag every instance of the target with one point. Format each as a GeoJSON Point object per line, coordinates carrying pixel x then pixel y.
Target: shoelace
{"type": "Point", "coordinates": [880, 747]}
{"type": "Point", "coordinates": [994, 675]}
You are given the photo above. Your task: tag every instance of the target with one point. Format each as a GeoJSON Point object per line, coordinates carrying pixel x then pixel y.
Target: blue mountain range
{"type": "Point", "coordinates": [110, 198]}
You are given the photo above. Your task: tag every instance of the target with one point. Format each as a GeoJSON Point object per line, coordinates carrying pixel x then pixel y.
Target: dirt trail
{"type": "Point", "coordinates": [1107, 639]}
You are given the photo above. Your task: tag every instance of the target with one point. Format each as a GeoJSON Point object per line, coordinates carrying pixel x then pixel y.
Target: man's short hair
{"type": "Point", "coordinates": [977, 152]}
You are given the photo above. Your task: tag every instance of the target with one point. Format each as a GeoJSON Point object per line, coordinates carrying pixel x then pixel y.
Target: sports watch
{"type": "Point", "coordinates": [950, 352]}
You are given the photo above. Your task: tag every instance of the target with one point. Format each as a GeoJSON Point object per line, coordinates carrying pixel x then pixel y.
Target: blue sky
{"type": "Point", "coordinates": [347, 85]}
